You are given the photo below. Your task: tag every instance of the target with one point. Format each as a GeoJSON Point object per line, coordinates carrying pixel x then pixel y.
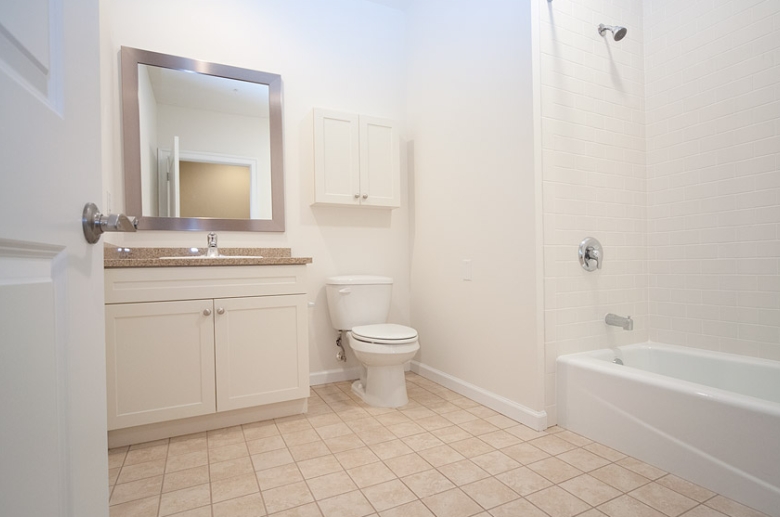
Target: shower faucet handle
{"type": "Point", "coordinates": [591, 254]}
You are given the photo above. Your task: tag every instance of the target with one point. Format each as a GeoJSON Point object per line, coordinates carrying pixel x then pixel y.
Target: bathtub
{"type": "Point", "coordinates": [708, 417]}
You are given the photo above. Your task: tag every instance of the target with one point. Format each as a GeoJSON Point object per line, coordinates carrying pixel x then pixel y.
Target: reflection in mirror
{"type": "Point", "coordinates": [205, 152]}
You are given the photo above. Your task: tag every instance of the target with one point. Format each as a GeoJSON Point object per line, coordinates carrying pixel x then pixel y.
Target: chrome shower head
{"type": "Point", "coordinates": [618, 32]}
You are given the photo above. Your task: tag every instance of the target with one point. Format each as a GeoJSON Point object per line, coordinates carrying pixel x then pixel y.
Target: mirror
{"type": "Point", "coordinates": [202, 144]}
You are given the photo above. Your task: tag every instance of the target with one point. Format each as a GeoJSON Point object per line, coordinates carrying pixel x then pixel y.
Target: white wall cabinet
{"type": "Point", "coordinates": [170, 358]}
{"type": "Point", "coordinates": [356, 160]}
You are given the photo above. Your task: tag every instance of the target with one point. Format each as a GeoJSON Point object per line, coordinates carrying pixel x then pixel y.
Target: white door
{"type": "Point", "coordinates": [53, 459]}
{"type": "Point", "coordinates": [336, 158]}
{"type": "Point", "coordinates": [380, 177]}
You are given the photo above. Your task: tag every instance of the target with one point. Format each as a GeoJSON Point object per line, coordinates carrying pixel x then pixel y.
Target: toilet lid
{"type": "Point", "coordinates": [385, 333]}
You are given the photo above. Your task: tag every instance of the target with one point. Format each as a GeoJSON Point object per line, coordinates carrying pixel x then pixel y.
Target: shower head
{"type": "Point", "coordinates": [618, 32]}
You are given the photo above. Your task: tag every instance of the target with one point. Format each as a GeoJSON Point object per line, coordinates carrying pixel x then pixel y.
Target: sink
{"type": "Point", "coordinates": [218, 257]}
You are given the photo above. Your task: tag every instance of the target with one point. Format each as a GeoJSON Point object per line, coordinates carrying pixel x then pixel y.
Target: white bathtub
{"type": "Point", "coordinates": [708, 417]}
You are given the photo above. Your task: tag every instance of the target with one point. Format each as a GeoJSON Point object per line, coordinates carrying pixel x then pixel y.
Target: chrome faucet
{"type": "Point", "coordinates": [619, 321]}
{"type": "Point", "coordinates": [212, 250]}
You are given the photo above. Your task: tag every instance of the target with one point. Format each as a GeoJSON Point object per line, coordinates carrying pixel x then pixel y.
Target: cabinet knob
{"type": "Point", "coordinates": [365, 196]}
{"type": "Point", "coordinates": [220, 311]}
{"type": "Point", "coordinates": [207, 312]}
{"type": "Point", "coordinates": [357, 195]}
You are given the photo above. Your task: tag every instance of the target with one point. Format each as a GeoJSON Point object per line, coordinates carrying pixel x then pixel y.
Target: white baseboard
{"type": "Point", "coordinates": [534, 419]}
{"type": "Point", "coordinates": [328, 376]}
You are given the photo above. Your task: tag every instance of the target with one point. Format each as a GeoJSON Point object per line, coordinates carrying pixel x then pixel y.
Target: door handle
{"type": "Point", "coordinates": [95, 223]}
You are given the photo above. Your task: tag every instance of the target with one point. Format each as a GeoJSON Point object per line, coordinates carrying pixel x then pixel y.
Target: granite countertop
{"type": "Point", "coordinates": [119, 257]}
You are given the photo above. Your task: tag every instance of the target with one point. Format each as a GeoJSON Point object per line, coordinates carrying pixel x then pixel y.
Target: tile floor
{"type": "Point", "coordinates": [442, 455]}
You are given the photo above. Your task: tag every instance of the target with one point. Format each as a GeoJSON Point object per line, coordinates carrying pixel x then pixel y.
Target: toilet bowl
{"type": "Point", "coordinates": [358, 306]}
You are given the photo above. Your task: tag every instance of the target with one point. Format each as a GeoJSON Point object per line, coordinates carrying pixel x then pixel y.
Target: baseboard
{"type": "Point", "coordinates": [534, 419]}
{"type": "Point", "coordinates": [328, 376]}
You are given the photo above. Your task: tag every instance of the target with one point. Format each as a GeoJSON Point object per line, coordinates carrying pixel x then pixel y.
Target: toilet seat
{"type": "Point", "coordinates": [385, 334]}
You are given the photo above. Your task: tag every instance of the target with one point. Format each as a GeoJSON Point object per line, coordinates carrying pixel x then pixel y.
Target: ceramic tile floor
{"type": "Point", "coordinates": [442, 455]}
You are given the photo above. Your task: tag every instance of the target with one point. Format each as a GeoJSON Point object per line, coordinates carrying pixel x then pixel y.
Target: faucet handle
{"type": "Point", "coordinates": [591, 254]}
{"type": "Point", "coordinates": [212, 240]}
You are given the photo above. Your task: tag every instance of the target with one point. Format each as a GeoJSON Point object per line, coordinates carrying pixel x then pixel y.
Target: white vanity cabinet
{"type": "Point", "coordinates": [189, 341]}
{"type": "Point", "coordinates": [356, 160]}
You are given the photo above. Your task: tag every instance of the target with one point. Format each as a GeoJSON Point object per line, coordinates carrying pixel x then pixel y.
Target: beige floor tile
{"type": "Point", "coordinates": [604, 451]}
{"type": "Point", "coordinates": [371, 474]}
{"type": "Point", "coordinates": [353, 414]}
{"type": "Point", "coordinates": [427, 483]}
{"type": "Point", "coordinates": [231, 468]}
{"type": "Point", "coordinates": [525, 453]}
{"type": "Point", "coordinates": [555, 470]}
{"type": "Point", "coordinates": [203, 511]}
{"type": "Point", "coordinates": [523, 432]}
{"type": "Point", "coordinates": [489, 493]}
{"type": "Point", "coordinates": [574, 438]}
{"type": "Point", "coordinates": [187, 461]}
{"type": "Point", "coordinates": [433, 422]}
{"type": "Point", "coordinates": [116, 458]}
{"type": "Point", "coordinates": [463, 402]}
{"type": "Point", "coordinates": [590, 489]}
{"type": "Point", "coordinates": [267, 460]}
{"type": "Point", "coordinates": [463, 472]}
{"type": "Point", "coordinates": [185, 499]}
{"type": "Point", "coordinates": [286, 497]}
{"type": "Point", "coordinates": [307, 451]}
{"type": "Point", "coordinates": [388, 495]}
{"type": "Point", "coordinates": [391, 449]}
{"type": "Point", "coordinates": [558, 503]}
{"type": "Point", "coordinates": [460, 416]}
{"type": "Point", "coordinates": [478, 427]}
{"type": "Point", "coordinates": [319, 466]}
{"type": "Point", "coordinates": [686, 488]}
{"type": "Point", "coordinates": [471, 447]}
{"type": "Point", "coordinates": [407, 464]}
{"type": "Point", "coordinates": [113, 475]}
{"type": "Point", "coordinates": [140, 489]}
{"type": "Point", "coordinates": [442, 407]}
{"type": "Point", "coordinates": [441, 455]}
{"type": "Point", "coordinates": [158, 452]}
{"type": "Point", "coordinates": [307, 510]}
{"type": "Point", "coordinates": [267, 444]}
{"type": "Point", "coordinates": [495, 462]}
{"type": "Point", "coordinates": [501, 421]}
{"type": "Point", "coordinates": [246, 506]}
{"type": "Point", "coordinates": [552, 444]}
{"type": "Point", "coordinates": [343, 443]}
{"type": "Point", "coordinates": [141, 470]}
{"type": "Point", "coordinates": [732, 508]}
{"type": "Point", "coordinates": [413, 509]}
{"type": "Point", "coordinates": [418, 413]}
{"type": "Point", "coordinates": [140, 508]}
{"type": "Point", "coordinates": [641, 468]}
{"type": "Point", "coordinates": [593, 512]}
{"type": "Point", "coordinates": [258, 430]}
{"type": "Point", "coordinates": [301, 437]}
{"type": "Point", "coordinates": [363, 424]}
{"type": "Point", "coordinates": [375, 435]}
{"type": "Point", "coordinates": [627, 505]}
{"type": "Point", "coordinates": [663, 499]}
{"type": "Point", "coordinates": [278, 476]}
{"type": "Point", "coordinates": [192, 444]}
{"type": "Point", "coordinates": [352, 504]}
{"type": "Point", "coordinates": [323, 420]}
{"type": "Point", "coordinates": [523, 481]}
{"type": "Point", "coordinates": [583, 460]}
{"type": "Point", "coordinates": [704, 511]}
{"type": "Point", "coordinates": [451, 434]}
{"type": "Point", "coordinates": [233, 487]}
{"type": "Point", "coordinates": [422, 441]}
{"type": "Point", "coordinates": [392, 418]}
{"type": "Point", "coordinates": [619, 477]}
{"type": "Point", "coordinates": [185, 478]}
{"type": "Point", "coordinates": [499, 439]}
{"type": "Point", "coordinates": [405, 429]}
{"type": "Point", "coordinates": [229, 452]}
{"type": "Point", "coordinates": [452, 503]}
{"type": "Point", "coordinates": [333, 430]}
{"type": "Point", "coordinates": [146, 445]}
{"type": "Point", "coordinates": [483, 412]}
{"type": "Point", "coordinates": [356, 457]}
{"type": "Point", "coordinates": [224, 437]}
{"type": "Point", "coordinates": [517, 508]}
{"type": "Point", "coordinates": [291, 424]}
{"type": "Point", "coordinates": [331, 485]}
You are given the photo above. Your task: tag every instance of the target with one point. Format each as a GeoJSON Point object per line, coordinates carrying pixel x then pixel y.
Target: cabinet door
{"type": "Point", "coordinates": [261, 350]}
{"type": "Point", "coordinates": [380, 176]}
{"type": "Point", "coordinates": [336, 158]}
{"type": "Point", "coordinates": [159, 361]}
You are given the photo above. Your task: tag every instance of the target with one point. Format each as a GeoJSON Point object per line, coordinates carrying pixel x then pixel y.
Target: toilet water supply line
{"type": "Point", "coordinates": [340, 355]}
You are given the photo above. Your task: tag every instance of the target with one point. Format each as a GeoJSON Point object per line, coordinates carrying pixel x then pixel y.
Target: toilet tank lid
{"type": "Point", "coordinates": [358, 280]}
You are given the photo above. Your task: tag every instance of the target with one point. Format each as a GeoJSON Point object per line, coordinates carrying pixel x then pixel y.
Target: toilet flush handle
{"type": "Point", "coordinates": [346, 290]}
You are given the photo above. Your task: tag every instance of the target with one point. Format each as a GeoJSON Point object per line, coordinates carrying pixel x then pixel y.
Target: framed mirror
{"type": "Point", "coordinates": [202, 144]}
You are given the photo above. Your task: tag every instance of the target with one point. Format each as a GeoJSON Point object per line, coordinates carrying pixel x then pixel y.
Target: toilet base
{"type": "Point", "coordinates": [384, 386]}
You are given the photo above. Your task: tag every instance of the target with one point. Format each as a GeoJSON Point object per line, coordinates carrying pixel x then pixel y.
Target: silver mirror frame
{"type": "Point", "coordinates": [131, 139]}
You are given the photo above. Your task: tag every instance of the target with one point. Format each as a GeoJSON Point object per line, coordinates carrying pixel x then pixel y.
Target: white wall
{"type": "Point", "coordinates": [341, 54]}
{"type": "Point", "coordinates": [471, 117]}
{"type": "Point", "coordinates": [593, 137]}
{"type": "Point", "coordinates": [147, 117]}
{"type": "Point", "coordinates": [713, 155]}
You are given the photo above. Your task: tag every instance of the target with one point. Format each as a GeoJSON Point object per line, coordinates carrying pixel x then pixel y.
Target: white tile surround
{"type": "Point", "coordinates": [666, 147]}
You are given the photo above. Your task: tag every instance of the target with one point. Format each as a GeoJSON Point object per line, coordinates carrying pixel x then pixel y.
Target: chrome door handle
{"type": "Point", "coordinates": [220, 311]}
{"type": "Point", "coordinates": [207, 312]}
{"type": "Point", "coordinates": [95, 224]}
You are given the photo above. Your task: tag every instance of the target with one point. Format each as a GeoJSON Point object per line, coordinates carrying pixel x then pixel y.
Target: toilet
{"type": "Point", "coordinates": [358, 306]}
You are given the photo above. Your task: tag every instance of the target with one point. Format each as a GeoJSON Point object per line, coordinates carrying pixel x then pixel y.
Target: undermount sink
{"type": "Point", "coordinates": [213, 257]}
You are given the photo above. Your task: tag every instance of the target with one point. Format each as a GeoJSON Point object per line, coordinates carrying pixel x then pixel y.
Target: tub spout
{"type": "Point", "coordinates": [619, 321]}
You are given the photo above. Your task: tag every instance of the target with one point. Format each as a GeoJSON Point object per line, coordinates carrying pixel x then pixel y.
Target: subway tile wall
{"type": "Point", "coordinates": [594, 176]}
{"type": "Point", "coordinates": [712, 71]}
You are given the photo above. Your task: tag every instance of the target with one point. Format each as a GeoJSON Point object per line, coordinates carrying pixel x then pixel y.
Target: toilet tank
{"type": "Point", "coordinates": [358, 300]}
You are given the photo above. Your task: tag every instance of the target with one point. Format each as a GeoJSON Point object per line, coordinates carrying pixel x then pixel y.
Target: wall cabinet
{"type": "Point", "coordinates": [356, 160]}
{"type": "Point", "coordinates": [169, 358]}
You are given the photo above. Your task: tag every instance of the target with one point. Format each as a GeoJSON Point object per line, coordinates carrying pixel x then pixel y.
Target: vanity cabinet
{"type": "Point", "coordinates": [356, 160]}
{"type": "Point", "coordinates": [188, 341]}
